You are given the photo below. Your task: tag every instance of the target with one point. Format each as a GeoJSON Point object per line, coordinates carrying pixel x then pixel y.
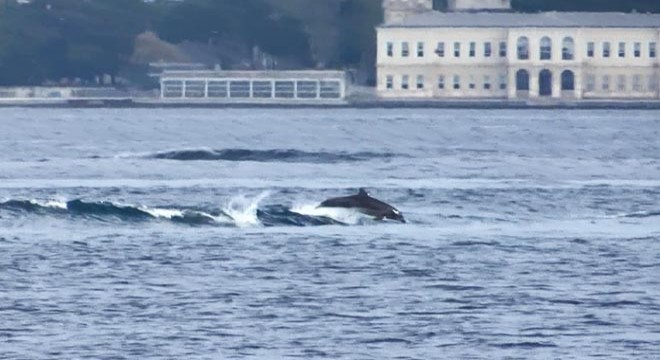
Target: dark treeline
{"type": "Point", "coordinates": [61, 38]}
{"type": "Point", "coordinates": [587, 5]}
{"type": "Point", "coordinates": [50, 40]}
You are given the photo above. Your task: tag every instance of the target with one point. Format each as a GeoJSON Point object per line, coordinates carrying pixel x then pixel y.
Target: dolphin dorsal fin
{"type": "Point", "coordinates": [363, 192]}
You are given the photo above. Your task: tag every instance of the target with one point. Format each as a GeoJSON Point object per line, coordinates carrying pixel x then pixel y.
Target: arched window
{"type": "Point", "coordinates": [522, 80]}
{"type": "Point", "coordinates": [545, 83]}
{"type": "Point", "coordinates": [523, 48]}
{"type": "Point", "coordinates": [546, 48]}
{"type": "Point", "coordinates": [567, 80]}
{"type": "Point", "coordinates": [568, 49]}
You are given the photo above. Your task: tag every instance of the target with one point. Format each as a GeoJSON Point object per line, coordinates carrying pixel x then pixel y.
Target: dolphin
{"type": "Point", "coordinates": [364, 203]}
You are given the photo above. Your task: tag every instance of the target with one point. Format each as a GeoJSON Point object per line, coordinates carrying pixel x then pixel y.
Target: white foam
{"type": "Point", "coordinates": [342, 215]}
{"type": "Point", "coordinates": [162, 213]}
{"type": "Point", "coordinates": [243, 210]}
{"type": "Point", "coordinates": [53, 204]}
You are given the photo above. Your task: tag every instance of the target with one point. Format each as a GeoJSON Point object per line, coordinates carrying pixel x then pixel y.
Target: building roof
{"type": "Point", "coordinates": [518, 20]}
{"type": "Point", "coordinates": [255, 74]}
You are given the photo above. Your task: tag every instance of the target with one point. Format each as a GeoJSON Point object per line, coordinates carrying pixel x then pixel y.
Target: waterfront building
{"type": "Point", "coordinates": [480, 49]}
{"type": "Point", "coordinates": [276, 87]}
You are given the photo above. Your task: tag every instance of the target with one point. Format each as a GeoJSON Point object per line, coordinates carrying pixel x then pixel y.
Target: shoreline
{"type": "Point", "coordinates": [344, 104]}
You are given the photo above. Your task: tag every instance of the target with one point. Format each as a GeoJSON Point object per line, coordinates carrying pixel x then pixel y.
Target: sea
{"type": "Point", "coordinates": [196, 234]}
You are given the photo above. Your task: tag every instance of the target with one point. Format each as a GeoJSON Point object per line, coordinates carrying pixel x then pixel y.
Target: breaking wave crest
{"type": "Point", "coordinates": [106, 211]}
{"type": "Point", "coordinates": [275, 155]}
{"type": "Point", "coordinates": [239, 211]}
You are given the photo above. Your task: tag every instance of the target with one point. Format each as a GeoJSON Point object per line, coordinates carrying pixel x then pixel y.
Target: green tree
{"type": "Point", "coordinates": [52, 39]}
{"type": "Point", "coordinates": [250, 22]}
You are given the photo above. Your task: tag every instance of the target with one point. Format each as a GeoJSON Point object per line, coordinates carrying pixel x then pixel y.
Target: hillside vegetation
{"type": "Point", "coordinates": [65, 41]}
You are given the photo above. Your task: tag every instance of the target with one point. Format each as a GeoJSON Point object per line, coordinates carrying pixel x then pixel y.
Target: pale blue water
{"type": "Point", "coordinates": [193, 234]}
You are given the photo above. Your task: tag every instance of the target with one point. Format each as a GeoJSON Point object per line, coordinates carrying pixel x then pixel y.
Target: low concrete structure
{"type": "Point", "coordinates": [254, 87]}
{"type": "Point", "coordinates": [63, 95]}
{"type": "Point", "coordinates": [35, 92]}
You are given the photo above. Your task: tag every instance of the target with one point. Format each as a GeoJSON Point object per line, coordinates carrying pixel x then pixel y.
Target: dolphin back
{"type": "Point", "coordinates": [366, 204]}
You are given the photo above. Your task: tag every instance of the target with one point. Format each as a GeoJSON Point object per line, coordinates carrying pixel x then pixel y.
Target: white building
{"type": "Point", "coordinates": [478, 49]}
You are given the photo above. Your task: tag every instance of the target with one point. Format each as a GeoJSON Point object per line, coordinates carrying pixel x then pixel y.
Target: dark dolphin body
{"type": "Point", "coordinates": [364, 203]}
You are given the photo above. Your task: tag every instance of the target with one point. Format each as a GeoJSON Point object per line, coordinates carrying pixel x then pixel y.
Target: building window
{"type": "Point", "coordinates": [567, 80]}
{"type": "Point", "coordinates": [487, 82]}
{"type": "Point", "coordinates": [622, 49]}
{"type": "Point", "coordinates": [522, 80]}
{"type": "Point", "coordinates": [389, 82]}
{"type": "Point", "coordinates": [546, 48]}
{"type": "Point", "coordinates": [591, 82]}
{"type": "Point", "coordinates": [637, 83]}
{"type": "Point", "coordinates": [488, 49]}
{"type": "Point", "coordinates": [621, 83]}
{"type": "Point", "coordinates": [502, 49]}
{"type": "Point", "coordinates": [239, 89]}
{"type": "Point", "coordinates": [217, 89]}
{"type": "Point", "coordinates": [473, 84]}
{"type": "Point", "coordinates": [591, 49]}
{"type": "Point", "coordinates": [606, 83]}
{"type": "Point", "coordinates": [285, 89]}
{"type": "Point", "coordinates": [197, 89]}
{"type": "Point", "coordinates": [457, 49]}
{"type": "Point", "coordinates": [568, 49]}
{"type": "Point", "coordinates": [306, 89]}
{"type": "Point", "coordinates": [441, 82]}
{"type": "Point", "coordinates": [473, 49]}
{"type": "Point", "coordinates": [173, 88]}
{"type": "Point", "coordinates": [420, 82]}
{"type": "Point", "coordinates": [523, 48]}
{"type": "Point", "coordinates": [405, 50]}
{"type": "Point", "coordinates": [390, 49]}
{"type": "Point", "coordinates": [420, 49]}
{"type": "Point", "coordinates": [457, 82]}
{"type": "Point", "coordinates": [404, 82]}
{"type": "Point", "coordinates": [440, 50]}
{"type": "Point", "coordinates": [638, 49]}
{"type": "Point", "coordinates": [652, 50]}
{"type": "Point", "coordinates": [606, 49]}
{"type": "Point", "coordinates": [503, 81]}
{"type": "Point", "coordinates": [545, 83]}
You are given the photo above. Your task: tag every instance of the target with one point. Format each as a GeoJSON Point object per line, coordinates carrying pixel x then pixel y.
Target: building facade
{"type": "Point", "coordinates": [479, 51]}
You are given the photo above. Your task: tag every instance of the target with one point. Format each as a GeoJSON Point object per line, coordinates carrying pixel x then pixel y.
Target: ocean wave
{"type": "Point", "coordinates": [251, 183]}
{"type": "Point", "coordinates": [106, 211]}
{"type": "Point", "coordinates": [36, 206]}
{"type": "Point", "coordinates": [239, 211]}
{"type": "Point", "coordinates": [275, 155]}
{"type": "Point", "coordinates": [641, 214]}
